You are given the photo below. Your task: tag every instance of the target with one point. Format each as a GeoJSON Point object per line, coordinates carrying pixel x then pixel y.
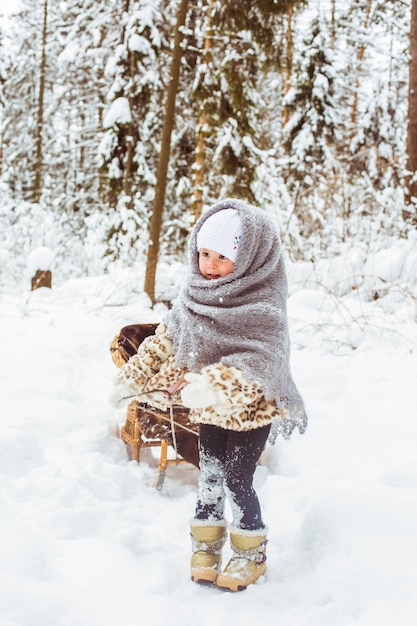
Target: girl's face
{"type": "Point", "coordinates": [214, 265]}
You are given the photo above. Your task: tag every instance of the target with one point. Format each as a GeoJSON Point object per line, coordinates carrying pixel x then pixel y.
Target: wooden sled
{"type": "Point", "coordinates": [148, 427]}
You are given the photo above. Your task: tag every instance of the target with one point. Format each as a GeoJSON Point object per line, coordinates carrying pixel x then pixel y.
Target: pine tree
{"type": "Point", "coordinates": [137, 72]}
{"type": "Point", "coordinates": [311, 134]}
{"type": "Point", "coordinates": [227, 92]}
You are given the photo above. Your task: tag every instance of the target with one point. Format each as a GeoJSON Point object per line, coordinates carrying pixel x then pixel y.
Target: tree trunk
{"type": "Point", "coordinates": [361, 54]}
{"type": "Point", "coordinates": [411, 179]}
{"type": "Point", "coordinates": [161, 176]}
{"type": "Point", "coordinates": [333, 24]}
{"type": "Point", "coordinates": [288, 60]}
{"type": "Point", "coordinates": [37, 185]}
{"type": "Point", "coordinates": [203, 121]}
{"type": "Point", "coordinates": [129, 138]}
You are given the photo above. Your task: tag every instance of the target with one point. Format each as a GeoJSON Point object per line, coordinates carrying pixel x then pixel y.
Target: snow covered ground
{"type": "Point", "coordinates": [85, 540]}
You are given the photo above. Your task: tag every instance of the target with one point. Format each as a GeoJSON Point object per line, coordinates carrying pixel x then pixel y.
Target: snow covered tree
{"type": "Point", "coordinates": [128, 148]}
{"type": "Point", "coordinates": [22, 93]}
{"type": "Point", "coordinates": [88, 31]}
{"type": "Point", "coordinates": [311, 134]}
{"type": "Point", "coordinates": [334, 165]}
{"type": "Point", "coordinates": [138, 72]}
{"type": "Point", "coordinates": [76, 42]}
{"type": "Point", "coordinates": [164, 155]}
{"type": "Point", "coordinates": [378, 44]}
{"type": "Point", "coordinates": [343, 142]}
{"type": "Point", "coordinates": [373, 149]}
{"type": "Point", "coordinates": [76, 46]}
{"type": "Point", "coordinates": [226, 90]}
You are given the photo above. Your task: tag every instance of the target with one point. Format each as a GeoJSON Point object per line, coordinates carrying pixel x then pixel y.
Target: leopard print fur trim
{"type": "Point", "coordinates": [154, 368]}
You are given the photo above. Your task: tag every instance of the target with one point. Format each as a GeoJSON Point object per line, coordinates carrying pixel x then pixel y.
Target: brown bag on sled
{"type": "Point", "coordinates": [153, 422]}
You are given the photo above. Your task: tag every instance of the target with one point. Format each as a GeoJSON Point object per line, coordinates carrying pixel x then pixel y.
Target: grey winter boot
{"type": "Point", "coordinates": [248, 562]}
{"type": "Point", "coordinates": [207, 540]}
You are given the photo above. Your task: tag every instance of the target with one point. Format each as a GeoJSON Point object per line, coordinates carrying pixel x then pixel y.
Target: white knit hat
{"type": "Point", "coordinates": [221, 232]}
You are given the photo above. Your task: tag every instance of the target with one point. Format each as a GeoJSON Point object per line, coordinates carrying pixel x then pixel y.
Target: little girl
{"type": "Point", "coordinates": [223, 352]}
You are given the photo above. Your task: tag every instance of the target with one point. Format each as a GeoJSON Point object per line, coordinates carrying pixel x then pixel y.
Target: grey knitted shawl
{"type": "Point", "coordinates": [241, 319]}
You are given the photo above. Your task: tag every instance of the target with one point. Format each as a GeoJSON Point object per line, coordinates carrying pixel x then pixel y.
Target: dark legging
{"type": "Point", "coordinates": [228, 461]}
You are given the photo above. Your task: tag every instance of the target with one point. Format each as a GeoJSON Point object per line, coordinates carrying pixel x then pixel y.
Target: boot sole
{"type": "Point", "coordinates": [204, 577]}
{"type": "Point", "coordinates": [203, 583]}
{"type": "Point", "coordinates": [232, 588]}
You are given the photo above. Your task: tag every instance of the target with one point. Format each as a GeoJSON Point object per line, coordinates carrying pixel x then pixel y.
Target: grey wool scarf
{"type": "Point", "coordinates": [241, 319]}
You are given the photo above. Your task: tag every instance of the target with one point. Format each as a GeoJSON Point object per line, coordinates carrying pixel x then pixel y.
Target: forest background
{"type": "Point", "coordinates": [305, 108]}
{"type": "Point", "coordinates": [122, 121]}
